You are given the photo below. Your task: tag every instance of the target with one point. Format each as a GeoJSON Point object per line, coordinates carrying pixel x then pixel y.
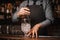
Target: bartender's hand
{"type": "Point", "coordinates": [24, 11]}
{"type": "Point", "coordinates": [34, 30]}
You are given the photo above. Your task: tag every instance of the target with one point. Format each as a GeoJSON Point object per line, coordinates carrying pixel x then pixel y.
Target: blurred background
{"type": "Point", "coordinates": [9, 7]}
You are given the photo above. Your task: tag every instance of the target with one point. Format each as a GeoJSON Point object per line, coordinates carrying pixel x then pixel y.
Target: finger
{"type": "Point", "coordinates": [27, 13]}
{"type": "Point", "coordinates": [29, 33]}
{"type": "Point", "coordinates": [33, 34]}
{"type": "Point", "coordinates": [36, 34]}
{"type": "Point", "coordinates": [26, 9]}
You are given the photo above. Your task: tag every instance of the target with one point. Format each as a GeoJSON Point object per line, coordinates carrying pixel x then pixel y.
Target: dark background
{"type": "Point", "coordinates": [53, 30]}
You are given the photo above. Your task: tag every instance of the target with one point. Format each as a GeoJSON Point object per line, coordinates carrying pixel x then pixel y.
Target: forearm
{"type": "Point", "coordinates": [15, 16]}
{"type": "Point", "coordinates": [48, 14]}
{"type": "Point", "coordinates": [45, 23]}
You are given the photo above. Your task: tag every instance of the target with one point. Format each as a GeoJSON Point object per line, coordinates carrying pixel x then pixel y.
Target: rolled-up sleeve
{"type": "Point", "coordinates": [48, 13]}
{"type": "Point", "coordinates": [15, 16]}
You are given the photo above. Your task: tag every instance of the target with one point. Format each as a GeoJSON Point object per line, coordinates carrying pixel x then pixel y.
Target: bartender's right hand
{"type": "Point", "coordinates": [24, 11]}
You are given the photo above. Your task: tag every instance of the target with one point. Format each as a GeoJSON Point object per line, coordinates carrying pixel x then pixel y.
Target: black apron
{"type": "Point", "coordinates": [37, 16]}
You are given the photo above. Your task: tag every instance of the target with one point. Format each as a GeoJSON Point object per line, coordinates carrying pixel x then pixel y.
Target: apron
{"type": "Point", "coordinates": [37, 16]}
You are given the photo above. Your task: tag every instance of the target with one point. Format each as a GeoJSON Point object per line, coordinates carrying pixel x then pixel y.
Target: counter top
{"type": "Point", "coordinates": [20, 37]}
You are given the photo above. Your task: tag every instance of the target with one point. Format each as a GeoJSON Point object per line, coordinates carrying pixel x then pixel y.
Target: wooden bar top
{"type": "Point", "coordinates": [20, 37]}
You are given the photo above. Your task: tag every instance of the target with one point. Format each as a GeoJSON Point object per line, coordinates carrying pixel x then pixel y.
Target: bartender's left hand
{"type": "Point", "coordinates": [34, 30]}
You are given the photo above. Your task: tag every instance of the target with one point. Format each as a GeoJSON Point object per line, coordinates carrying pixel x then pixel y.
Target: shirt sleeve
{"type": "Point", "coordinates": [15, 16]}
{"type": "Point", "coordinates": [48, 13]}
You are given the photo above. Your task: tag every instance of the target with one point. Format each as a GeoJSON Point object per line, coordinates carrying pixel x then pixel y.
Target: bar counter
{"type": "Point", "coordinates": [20, 37]}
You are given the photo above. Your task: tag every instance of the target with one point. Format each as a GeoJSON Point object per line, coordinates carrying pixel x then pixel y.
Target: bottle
{"type": "Point", "coordinates": [0, 29]}
{"type": "Point", "coordinates": [7, 29]}
{"type": "Point", "coordinates": [7, 11]}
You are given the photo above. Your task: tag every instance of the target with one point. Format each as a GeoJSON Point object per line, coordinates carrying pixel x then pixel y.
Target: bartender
{"type": "Point", "coordinates": [40, 14]}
